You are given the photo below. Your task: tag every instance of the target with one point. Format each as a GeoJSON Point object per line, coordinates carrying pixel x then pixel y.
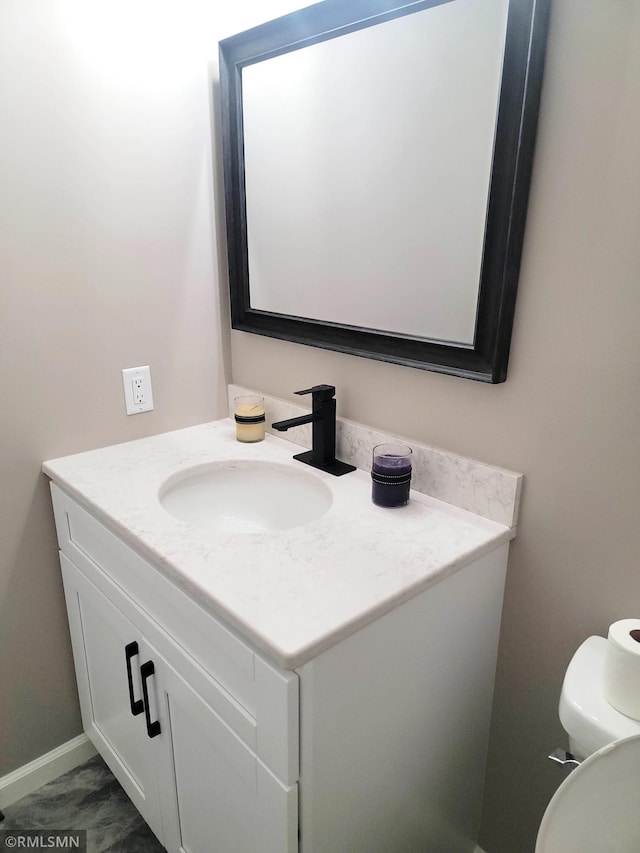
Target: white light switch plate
{"type": "Point", "coordinates": [138, 395]}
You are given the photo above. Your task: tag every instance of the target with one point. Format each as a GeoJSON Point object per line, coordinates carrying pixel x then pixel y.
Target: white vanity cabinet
{"type": "Point", "coordinates": [206, 772]}
{"type": "Point", "coordinates": [374, 743]}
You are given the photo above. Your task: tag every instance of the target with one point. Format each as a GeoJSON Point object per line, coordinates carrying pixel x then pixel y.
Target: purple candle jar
{"type": "Point", "coordinates": [391, 474]}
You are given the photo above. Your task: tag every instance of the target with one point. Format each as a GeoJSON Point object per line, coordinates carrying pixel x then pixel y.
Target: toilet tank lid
{"type": "Point", "coordinates": [585, 714]}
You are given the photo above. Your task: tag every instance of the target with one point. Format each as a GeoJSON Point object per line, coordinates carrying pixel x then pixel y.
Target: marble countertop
{"type": "Point", "coordinates": [293, 593]}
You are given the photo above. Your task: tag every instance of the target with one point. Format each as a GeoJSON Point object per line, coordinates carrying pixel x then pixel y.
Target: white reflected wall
{"type": "Point", "coordinates": [367, 162]}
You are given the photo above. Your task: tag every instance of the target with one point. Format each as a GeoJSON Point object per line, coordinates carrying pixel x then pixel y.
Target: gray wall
{"type": "Point", "coordinates": [568, 416]}
{"type": "Point", "coordinates": [108, 261]}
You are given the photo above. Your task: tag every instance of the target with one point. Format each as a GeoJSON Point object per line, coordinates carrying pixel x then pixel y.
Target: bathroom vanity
{"type": "Point", "coordinates": [324, 688]}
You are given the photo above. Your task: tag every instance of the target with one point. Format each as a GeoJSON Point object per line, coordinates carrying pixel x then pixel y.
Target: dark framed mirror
{"type": "Point", "coordinates": [377, 161]}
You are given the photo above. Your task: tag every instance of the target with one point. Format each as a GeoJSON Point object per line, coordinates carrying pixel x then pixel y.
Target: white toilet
{"type": "Point", "coordinates": [597, 808]}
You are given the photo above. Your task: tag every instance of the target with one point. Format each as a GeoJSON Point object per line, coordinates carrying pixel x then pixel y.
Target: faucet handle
{"type": "Point", "coordinates": [320, 392]}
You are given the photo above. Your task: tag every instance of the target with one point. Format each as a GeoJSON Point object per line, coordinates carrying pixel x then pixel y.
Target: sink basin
{"type": "Point", "coordinates": [246, 496]}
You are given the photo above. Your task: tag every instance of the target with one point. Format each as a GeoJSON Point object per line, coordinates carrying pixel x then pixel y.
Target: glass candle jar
{"type": "Point", "coordinates": [250, 418]}
{"type": "Point", "coordinates": [391, 474]}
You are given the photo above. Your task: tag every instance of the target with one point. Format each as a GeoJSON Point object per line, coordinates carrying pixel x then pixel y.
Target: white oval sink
{"type": "Point", "coordinates": [595, 810]}
{"type": "Point", "coordinates": [246, 496]}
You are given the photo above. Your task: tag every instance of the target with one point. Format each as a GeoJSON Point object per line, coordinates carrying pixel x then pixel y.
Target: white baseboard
{"type": "Point", "coordinates": [27, 779]}
{"type": "Point", "coordinates": [478, 849]}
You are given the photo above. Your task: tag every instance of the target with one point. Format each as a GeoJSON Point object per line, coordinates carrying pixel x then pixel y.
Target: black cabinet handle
{"type": "Point", "coordinates": [146, 671]}
{"type": "Point", "coordinates": [137, 705]}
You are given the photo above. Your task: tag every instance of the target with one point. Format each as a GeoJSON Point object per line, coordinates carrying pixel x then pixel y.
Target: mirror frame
{"type": "Point", "coordinates": [486, 360]}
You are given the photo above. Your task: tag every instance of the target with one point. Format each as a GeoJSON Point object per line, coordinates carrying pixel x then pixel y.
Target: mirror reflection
{"type": "Point", "coordinates": [367, 166]}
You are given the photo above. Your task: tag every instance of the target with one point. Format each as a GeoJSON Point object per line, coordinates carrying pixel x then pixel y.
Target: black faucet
{"type": "Point", "coordinates": [323, 420]}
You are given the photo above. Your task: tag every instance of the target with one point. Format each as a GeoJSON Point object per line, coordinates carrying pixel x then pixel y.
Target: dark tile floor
{"type": "Point", "coordinates": [87, 797]}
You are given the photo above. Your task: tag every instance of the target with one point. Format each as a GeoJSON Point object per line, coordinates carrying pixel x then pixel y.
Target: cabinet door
{"type": "Point", "coordinates": [227, 800]}
{"type": "Point", "coordinates": [100, 634]}
{"type": "Point", "coordinates": [195, 782]}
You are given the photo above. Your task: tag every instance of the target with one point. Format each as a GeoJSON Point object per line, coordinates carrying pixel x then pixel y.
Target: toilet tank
{"type": "Point", "coordinates": [585, 714]}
